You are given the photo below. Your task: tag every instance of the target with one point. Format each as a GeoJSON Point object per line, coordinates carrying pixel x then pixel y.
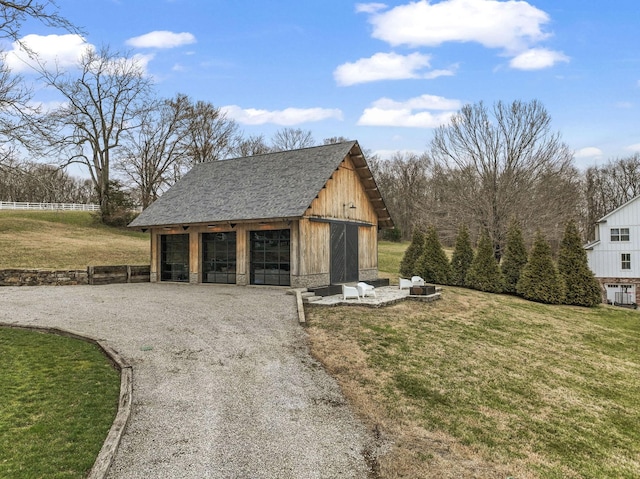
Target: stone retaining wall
{"type": "Point", "coordinates": [39, 277]}
{"type": "Point", "coordinates": [91, 275]}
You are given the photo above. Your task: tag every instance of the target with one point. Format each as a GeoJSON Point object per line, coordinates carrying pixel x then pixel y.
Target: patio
{"type": "Point", "coordinates": [385, 295]}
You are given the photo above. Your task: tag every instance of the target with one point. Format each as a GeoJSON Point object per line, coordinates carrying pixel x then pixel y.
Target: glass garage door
{"type": "Point", "coordinates": [174, 258]}
{"type": "Point", "coordinates": [271, 257]}
{"type": "Point", "coordinates": [219, 257]}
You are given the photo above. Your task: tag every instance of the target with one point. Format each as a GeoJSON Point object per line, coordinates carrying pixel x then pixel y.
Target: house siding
{"type": "Point", "coordinates": [605, 257]}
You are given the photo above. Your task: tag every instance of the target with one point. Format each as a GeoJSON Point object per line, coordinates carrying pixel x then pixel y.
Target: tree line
{"type": "Point", "coordinates": [490, 166]}
{"type": "Point", "coordinates": [533, 274]}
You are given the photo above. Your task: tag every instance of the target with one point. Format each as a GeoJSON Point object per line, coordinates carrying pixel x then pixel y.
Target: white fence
{"type": "Point", "coordinates": [21, 205]}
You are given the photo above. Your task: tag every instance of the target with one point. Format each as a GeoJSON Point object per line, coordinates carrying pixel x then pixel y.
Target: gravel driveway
{"type": "Point", "coordinates": [224, 386]}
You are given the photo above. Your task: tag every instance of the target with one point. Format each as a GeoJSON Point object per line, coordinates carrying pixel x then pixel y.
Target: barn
{"type": "Point", "coordinates": [300, 218]}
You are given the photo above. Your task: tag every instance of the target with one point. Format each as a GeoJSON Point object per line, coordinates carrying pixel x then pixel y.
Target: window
{"type": "Point", "coordinates": [626, 260]}
{"type": "Point", "coordinates": [619, 234]}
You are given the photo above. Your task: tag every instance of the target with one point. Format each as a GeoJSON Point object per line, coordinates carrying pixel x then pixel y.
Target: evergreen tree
{"type": "Point", "coordinates": [433, 264]}
{"type": "Point", "coordinates": [582, 288]}
{"type": "Point", "coordinates": [461, 258]}
{"type": "Point", "coordinates": [539, 279]}
{"type": "Point", "coordinates": [514, 259]}
{"type": "Point", "coordinates": [484, 273]}
{"type": "Point", "coordinates": [413, 252]}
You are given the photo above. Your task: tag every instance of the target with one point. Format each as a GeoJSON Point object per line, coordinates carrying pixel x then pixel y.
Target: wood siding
{"type": "Point", "coordinates": [343, 190]}
{"type": "Point", "coordinates": [334, 202]}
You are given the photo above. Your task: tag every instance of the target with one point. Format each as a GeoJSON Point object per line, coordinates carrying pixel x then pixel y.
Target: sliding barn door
{"type": "Point", "coordinates": [344, 253]}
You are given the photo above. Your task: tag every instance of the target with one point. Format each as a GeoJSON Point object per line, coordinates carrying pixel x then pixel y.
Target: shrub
{"type": "Point", "coordinates": [582, 288]}
{"type": "Point", "coordinates": [408, 265]}
{"type": "Point", "coordinates": [394, 235]}
{"type": "Point", "coordinates": [484, 273]}
{"type": "Point", "coordinates": [433, 264]}
{"type": "Point", "coordinates": [462, 258]}
{"type": "Point", "coordinates": [514, 259]}
{"type": "Point", "coordinates": [539, 279]}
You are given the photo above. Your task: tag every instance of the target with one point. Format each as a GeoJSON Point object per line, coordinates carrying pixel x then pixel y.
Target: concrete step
{"type": "Point", "coordinates": [294, 290]}
{"type": "Point", "coordinates": [311, 299]}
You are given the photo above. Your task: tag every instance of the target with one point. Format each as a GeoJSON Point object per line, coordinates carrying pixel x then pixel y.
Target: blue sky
{"type": "Point", "coordinates": [384, 73]}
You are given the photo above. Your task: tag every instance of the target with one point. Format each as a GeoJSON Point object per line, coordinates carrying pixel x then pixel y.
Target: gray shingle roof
{"type": "Point", "coordinates": [274, 185]}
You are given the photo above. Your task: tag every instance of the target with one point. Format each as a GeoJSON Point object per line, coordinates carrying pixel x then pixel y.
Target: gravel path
{"type": "Point", "coordinates": [224, 386]}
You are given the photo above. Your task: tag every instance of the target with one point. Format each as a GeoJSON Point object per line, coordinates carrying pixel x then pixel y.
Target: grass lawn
{"type": "Point", "coordinates": [490, 386]}
{"type": "Point", "coordinates": [66, 240]}
{"type": "Point", "coordinates": [58, 399]}
{"type": "Point", "coordinates": [389, 257]}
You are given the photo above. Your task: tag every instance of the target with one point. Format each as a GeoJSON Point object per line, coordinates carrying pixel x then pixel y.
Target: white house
{"type": "Point", "coordinates": [614, 256]}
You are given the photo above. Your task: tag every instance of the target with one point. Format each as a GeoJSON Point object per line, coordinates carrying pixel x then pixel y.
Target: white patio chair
{"type": "Point", "coordinates": [350, 292]}
{"type": "Point", "coordinates": [417, 281]}
{"type": "Point", "coordinates": [404, 283]}
{"type": "Point", "coordinates": [366, 289]}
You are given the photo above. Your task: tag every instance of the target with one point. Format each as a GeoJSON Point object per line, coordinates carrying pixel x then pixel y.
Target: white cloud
{"type": "Point", "coordinates": [382, 66]}
{"type": "Point", "coordinates": [162, 39]}
{"type": "Point", "coordinates": [422, 102]}
{"type": "Point", "coordinates": [286, 117]}
{"type": "Point", "coordinates": [61, 50]}
{"type": "Point", "coordinates": [537, 59]}
{"type": "Point", "coordinates": [588, 152]}
{"type": "Point", "coordinates": [513, 26]}
{"type": "Point", "coordinates": [634, 147]}
{"type": "Point", "coordinates": [369, 7]}
{"type": "Point", "coordinates": [509, 25]}
{"type": "Point", "coordinates": [441, 73]}
{"type": "Point", "coordinates": [415, 112]}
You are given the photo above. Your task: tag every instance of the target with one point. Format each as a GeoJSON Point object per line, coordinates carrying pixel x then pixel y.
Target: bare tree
{"type": "Point", "coordinates": [154, 156]}
{"type": "Point", "coordinates": [334, 139]}
{"type": "Point", "coordinates": [251, 146]}
{"type": "Point", "coordinates": [37, 182]}
{"type": "Point", "coordinates": [291, 139]}
{"type": "Point", "coordinates": [14, 14]}
{"type": "Point", "coordinates": [503, 164]}
{"type": "Point", "coordinates": [210, 135]}
{"type": "Point", "coordinates": [405, 183]}
{"type": "Point", "coordinates": [105, 99]}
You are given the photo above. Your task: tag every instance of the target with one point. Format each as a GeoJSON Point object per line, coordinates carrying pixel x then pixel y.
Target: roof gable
{"type": "Point", "coordinates": [273, 185]}
{"type": "Point", "coordinates": [618, 209]}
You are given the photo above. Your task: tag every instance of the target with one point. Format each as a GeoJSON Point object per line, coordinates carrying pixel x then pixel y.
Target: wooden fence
{"type": "Point", "coordinates": [23, 205]}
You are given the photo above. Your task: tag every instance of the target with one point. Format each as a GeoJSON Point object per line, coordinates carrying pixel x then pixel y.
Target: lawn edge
{"type": "Point", "coordinates": [110, 446]}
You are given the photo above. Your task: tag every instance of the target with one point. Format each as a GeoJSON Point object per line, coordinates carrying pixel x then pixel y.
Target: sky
{"type": "Point", "coordinates": [385, 74]}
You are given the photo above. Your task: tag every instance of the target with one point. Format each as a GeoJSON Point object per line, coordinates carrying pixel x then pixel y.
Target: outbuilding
{"type": "Point", "coordinates": [300, 218]}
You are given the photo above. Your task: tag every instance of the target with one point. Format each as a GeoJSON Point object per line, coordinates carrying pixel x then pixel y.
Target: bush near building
{"type": "Point", "coordinates": [540, 280]}
{"type": "Point", "coordinates": [433, 264]}
{"type": "Point", "coordinates": [582, 288]}
{"type": "Point", "coordinates": [484, 273]}
{"type": "Point", "coordinates": [462, 257]}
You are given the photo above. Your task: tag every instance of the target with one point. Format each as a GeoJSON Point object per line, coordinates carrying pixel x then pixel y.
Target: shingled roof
{"type": "Point", "coordinates": [270, 186]}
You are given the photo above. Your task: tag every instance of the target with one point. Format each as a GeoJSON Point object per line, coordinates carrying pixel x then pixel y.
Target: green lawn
{"type": "Point", "coordinates": [66, 240]}
{"type": "Point", "coordinates": [483, 385]}
{"type": "Point", "coordinates": [58, 399]}
{"type": "Point", "coordinates": [389, 257]}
